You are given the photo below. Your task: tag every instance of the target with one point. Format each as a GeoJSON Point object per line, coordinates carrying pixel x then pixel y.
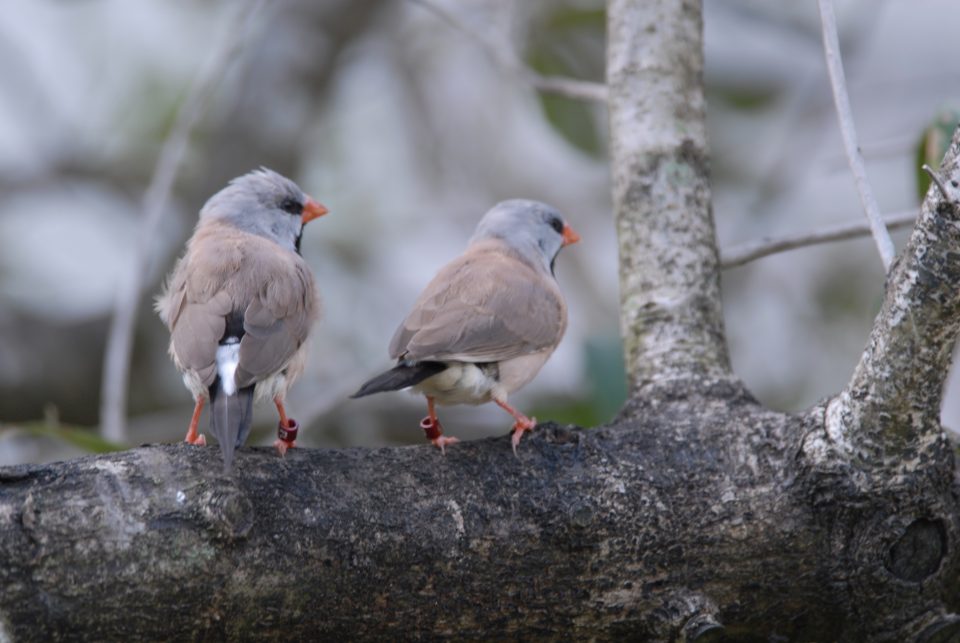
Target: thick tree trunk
{"type": "Point", "coordinates": [670, 309]}
{"type": "Point", "coordinates": [696, 514]}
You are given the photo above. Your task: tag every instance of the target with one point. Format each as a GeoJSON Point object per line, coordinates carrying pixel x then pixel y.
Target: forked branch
{"type": "Point", "coordinates": [891, 408]}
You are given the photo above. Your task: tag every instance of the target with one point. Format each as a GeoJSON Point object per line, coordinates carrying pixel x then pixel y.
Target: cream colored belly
{"type": "Point", "coordinates": [466, 383]}
{"type": "Point", "coordinates": [460, 383]}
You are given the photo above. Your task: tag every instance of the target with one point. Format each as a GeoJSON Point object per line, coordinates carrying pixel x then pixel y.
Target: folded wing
{"type": "Point", "coordinates": [483, 307]}
{"type": "Point", "coordinates": [271, 291]}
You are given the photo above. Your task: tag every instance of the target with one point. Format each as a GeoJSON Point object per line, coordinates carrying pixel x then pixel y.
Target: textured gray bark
{"type": "Point", "coordinates": [696, 515]}
{"type": "Point", "coordinates": [891, 407]}
{"type": "Point", "coordinates": [670, 311]}
{"type": "Point", "coordinates": [695, 509]}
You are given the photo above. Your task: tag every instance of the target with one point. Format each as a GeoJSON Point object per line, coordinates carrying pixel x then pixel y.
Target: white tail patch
{"type": "Point", "coordinates": [228, 357]}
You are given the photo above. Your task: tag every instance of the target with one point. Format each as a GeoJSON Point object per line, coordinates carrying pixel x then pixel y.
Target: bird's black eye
{"type": "Point", "coordinates": [291, 205]}
{"type": "Point", "coordinates": [556, 224]}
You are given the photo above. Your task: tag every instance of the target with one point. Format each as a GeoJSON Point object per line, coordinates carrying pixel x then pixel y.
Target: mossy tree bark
{"type": "Point", "coordinates": [697, 514]}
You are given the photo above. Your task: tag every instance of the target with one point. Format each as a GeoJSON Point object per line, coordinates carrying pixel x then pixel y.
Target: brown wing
{"type": "Point", "coordinates": [276, 322]}
{"type": "Point", "coordinates": [483, 307]}
{"type": "Point", "coordinates": [196, 331]}
{"type": "Point", "coordinates": [194, 307]}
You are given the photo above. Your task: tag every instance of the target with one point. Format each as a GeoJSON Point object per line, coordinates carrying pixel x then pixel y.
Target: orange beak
{"type": "Point", "coordinates": [569, 235]}
{"type": "Point", "coordinates": [312, 210]}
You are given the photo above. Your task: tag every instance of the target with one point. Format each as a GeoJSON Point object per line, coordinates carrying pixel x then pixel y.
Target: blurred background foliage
{"type": "Point", "coordinates": [409, 130]}
{"type": "Point", "coordinates": [933, 145]}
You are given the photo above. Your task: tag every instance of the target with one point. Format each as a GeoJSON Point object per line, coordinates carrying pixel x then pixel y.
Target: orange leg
{"type": "Point", "coordinates": [434, 430]}
{"type": "Point", "coordinates": [522, 424]}
{"type": "Point", "coordinates": [282, 411]}
{"type": "Point", "coordinates": [193, 436]}
{"type": "Point", "coordinates": [286, 430]}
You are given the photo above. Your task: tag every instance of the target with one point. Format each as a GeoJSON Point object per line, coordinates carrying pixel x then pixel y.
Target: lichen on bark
{"type": "Point", "coordinates": [671, 316]}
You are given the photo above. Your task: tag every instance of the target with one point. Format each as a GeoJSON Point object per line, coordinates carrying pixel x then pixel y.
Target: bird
{"type": "Point", "coordinates": [239, 305]}
{"type": "Point", "coordinates": [487, 322]}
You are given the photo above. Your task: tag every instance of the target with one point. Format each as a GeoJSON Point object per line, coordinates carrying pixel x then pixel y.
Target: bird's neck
{"type": "Point", "coordinates": [524, 251]}
{"type": "Point", "coordinates": [282, 238]}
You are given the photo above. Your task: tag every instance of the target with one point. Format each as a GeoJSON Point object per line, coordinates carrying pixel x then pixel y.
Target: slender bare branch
{"type": "Point", "coordinates": [116, 367]}
{"type": "Point", "coordinates": [566, 87]}
{"type": "Point", "coordinates": [838, 83]}
{"type": "Point", "coordinates": [750, 251]}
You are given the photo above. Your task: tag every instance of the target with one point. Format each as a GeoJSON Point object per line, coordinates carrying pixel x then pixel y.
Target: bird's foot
{"type": "Point", "coordinates": [286, 436]}
{"type": "Point", "coordinates": [521, 426]}
{"type": "Point", "coordinates": [196, 439]}
{"type": "Point", "coordinates": [443, 441]}
{"type": "Point", "coordinates": [282, 445]}
{"type": "Point", "coordinates": [434, 432]}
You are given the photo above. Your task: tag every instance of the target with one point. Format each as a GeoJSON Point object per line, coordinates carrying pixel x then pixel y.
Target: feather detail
{"type": "Point", "coordinates": [403, 375]}
{"type": "Point", "coordinates": [228, 358]}
{"type": "Point", "coordinates": [230, 419]}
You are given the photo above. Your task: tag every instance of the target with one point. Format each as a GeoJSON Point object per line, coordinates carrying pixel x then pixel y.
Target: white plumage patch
{"type": "Point", "coordinates": [460, 383]}
{"type": "Point", "coordinates": [228, 358]}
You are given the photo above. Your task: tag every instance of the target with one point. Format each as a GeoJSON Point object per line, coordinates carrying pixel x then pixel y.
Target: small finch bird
{"type": "Point", "coordinates": [488, 321]}
{"type": "Point", "coordinates": [239, 305]}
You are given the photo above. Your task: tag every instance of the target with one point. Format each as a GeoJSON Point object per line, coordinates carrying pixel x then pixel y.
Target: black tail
{"type": "Point", "coordinates": [230, 419]}
{"type": "Point", "coordinates": [400, 376]}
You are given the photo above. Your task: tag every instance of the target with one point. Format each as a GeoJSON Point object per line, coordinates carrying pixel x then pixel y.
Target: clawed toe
{"type": "Point", "coordinates": [283, 445]}
{"type": "Point", "coordinates": [443, 441]}
{"type": "Point", "coordinates": [519, 428]}
{"type": "Point", "coordinates": [197, 440]}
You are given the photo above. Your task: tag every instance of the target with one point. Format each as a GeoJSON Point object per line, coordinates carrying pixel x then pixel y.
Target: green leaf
{"type": "Point", "coordinates": [575, 18]}
{"type": "Point", "coordinates": [743, 99]}
{"type": "Point", "coordinates": [569, 42]}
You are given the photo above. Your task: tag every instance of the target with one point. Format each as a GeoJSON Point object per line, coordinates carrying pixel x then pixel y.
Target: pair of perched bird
{"type": "Point", "coordinates": [240, 303]}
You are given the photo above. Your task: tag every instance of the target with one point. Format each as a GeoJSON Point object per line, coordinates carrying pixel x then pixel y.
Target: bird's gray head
{"type": "Point", "coordinates": [535, 230]}
{"type": "Point", "coordinates": [266, 204]}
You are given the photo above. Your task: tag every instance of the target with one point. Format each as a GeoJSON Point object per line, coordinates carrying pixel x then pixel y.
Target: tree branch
{"type": "Point", "coordinates": [753, 250]}
{"type": "Point", "coordinates": [116, 361]}
{"type": "Point", "coordinates": [645, 530]}
{"type": "Point", "coordinates": [566, 87]}
{"type": "Point", "coordinates": [890, 410]}
{"type": "Point", "coordinates": [671, 316]}
{"type": "Point", "coordinates": [838, 83]}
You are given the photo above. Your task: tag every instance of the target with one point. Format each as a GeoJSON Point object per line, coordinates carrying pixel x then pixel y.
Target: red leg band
{"type": "Point", "coordinates": [288, 433]}
{"type": "Point", "coordinates": [431, 428]}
